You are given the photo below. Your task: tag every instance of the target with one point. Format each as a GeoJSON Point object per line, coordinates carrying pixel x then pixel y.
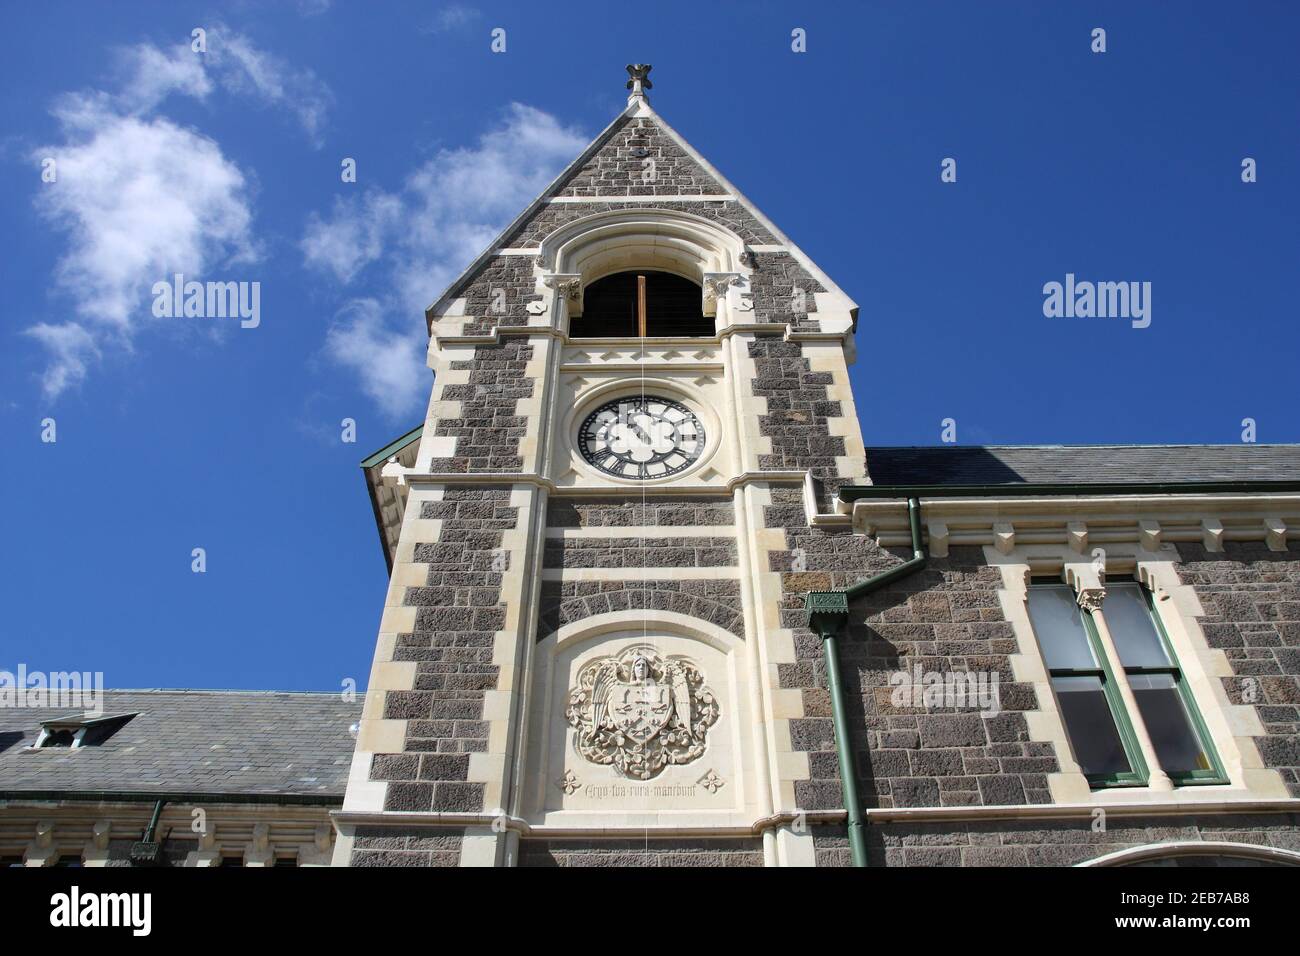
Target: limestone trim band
{"type": "Point", "coordinates": [1070, 811]}
{"type": "Point", "coordinates": [403, 476]}
{"type": "Point", "coordinates": [644, 197]}
{"type": "Point", "coordinates": [783, 329]}
{"type": "Point", "coordinates": [1018, 812]}
{"type": "Point", "coordinates": [502, 821]}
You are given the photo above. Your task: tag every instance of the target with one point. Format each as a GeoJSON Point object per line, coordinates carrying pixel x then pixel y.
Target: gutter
{"type": "Point", "coordinates": [827, 612]}
{"type": "Point", "coordinates": [1017, 489]}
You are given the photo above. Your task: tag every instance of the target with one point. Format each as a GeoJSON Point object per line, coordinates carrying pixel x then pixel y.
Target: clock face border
{"type": "Point", "coordinates": [594, 459]}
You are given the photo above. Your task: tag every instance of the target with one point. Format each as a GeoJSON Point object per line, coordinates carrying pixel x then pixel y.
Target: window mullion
{"type": "Point", "coordinates": [1133, 729]}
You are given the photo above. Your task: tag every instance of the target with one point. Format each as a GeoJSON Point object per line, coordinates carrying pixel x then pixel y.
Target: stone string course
{"type": "Point", "coordinates": [1047, 842]}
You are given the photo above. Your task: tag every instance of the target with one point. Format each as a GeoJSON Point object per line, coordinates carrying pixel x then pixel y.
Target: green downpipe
{"type": "Point", "coordinates": [844, 751]}
{"type": "Point", "coordinates": [828, 612]}
{"type": "Point", "coordinates": [152, 829]}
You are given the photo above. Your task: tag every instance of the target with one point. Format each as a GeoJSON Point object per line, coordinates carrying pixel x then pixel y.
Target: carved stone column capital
{"type": "Point", "coordinates": [568, 284]}
{"type": "Point", "coordinates": [716, 284]}
{"type": "Point", "coordinates": [1090, 599]}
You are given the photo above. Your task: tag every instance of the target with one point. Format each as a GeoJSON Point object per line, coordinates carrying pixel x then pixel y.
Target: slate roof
{"type": "Point", "coordinates": [192, 741]}
{"type": "Point", "coordinates": [997, 464]}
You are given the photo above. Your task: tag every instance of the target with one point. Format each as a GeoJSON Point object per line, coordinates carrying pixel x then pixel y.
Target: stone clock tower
{"type": "Point", "coordinates": [640, 408]}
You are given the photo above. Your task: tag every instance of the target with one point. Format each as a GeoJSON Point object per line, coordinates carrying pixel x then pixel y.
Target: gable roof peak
{"type": "Point", "coordinates": [639, 109]}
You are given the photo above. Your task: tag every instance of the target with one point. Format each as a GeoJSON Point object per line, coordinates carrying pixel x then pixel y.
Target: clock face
{"type": "Point", "coordinates": [641, 437]}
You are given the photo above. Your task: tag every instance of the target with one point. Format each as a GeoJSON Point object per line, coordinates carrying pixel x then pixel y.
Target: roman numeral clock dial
{"type": "Point", "coordinates": [641, 438]}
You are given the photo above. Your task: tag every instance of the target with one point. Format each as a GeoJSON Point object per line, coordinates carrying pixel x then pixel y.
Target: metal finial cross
{"type": "Point", "coordinates": [640, 78]}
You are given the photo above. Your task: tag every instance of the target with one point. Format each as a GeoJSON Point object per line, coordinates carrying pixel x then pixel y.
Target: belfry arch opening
{"type": "Point", "coordinates": [640, 303]}
{"type": "Point", "coordinates": [604, 261]}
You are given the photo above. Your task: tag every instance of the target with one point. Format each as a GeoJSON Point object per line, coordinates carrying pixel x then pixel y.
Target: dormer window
{"type": "Point", "coordinates": [641, 303]}
{"type": "Point", "coordinates": [79, 730]}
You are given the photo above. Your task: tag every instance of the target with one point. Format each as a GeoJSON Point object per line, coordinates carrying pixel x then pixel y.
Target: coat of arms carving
{"type": "Point", "coordinates": [639, 711]}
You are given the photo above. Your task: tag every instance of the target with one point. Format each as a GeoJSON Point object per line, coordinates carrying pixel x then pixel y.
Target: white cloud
{"type": "Point", "coordinates": [231, 61]}
{"type": "Point", "coordinates": [71, 347]}
{"type": "Point", "coordinates": [449, 18]}
{"type": "Point", "coordinates": [449, 211]}
{"type": "Point", "coordinates": [387, 362]}
{"type": "Point", "coordinates": [151, 75]}
{"type": "Point", "coordinates": [462, 198]}
{"type": "Point", "coordinates": [354, 235]}
{"type": "Point", "coordinates": [243, 68]}
{"type": "Point", "coordinates": [140, 197]}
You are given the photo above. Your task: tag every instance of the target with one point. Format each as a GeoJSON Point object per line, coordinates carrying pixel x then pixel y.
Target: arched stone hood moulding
{"type": "Point", "coordinates": [608, 242]}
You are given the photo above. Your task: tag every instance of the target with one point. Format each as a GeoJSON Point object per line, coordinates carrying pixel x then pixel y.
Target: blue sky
{"type": "Point", "coordinates": [175, 434]}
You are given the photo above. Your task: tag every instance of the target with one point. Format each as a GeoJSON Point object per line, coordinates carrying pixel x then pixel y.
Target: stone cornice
{"type": "Point", "coordinates": [783, 329]}
{"type": "Point", "coordinates": [82, 828]}
{"type": "Point", "coordinates": [401, 475]}
{"type": "Point", "coordinates": [1087, 520]}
